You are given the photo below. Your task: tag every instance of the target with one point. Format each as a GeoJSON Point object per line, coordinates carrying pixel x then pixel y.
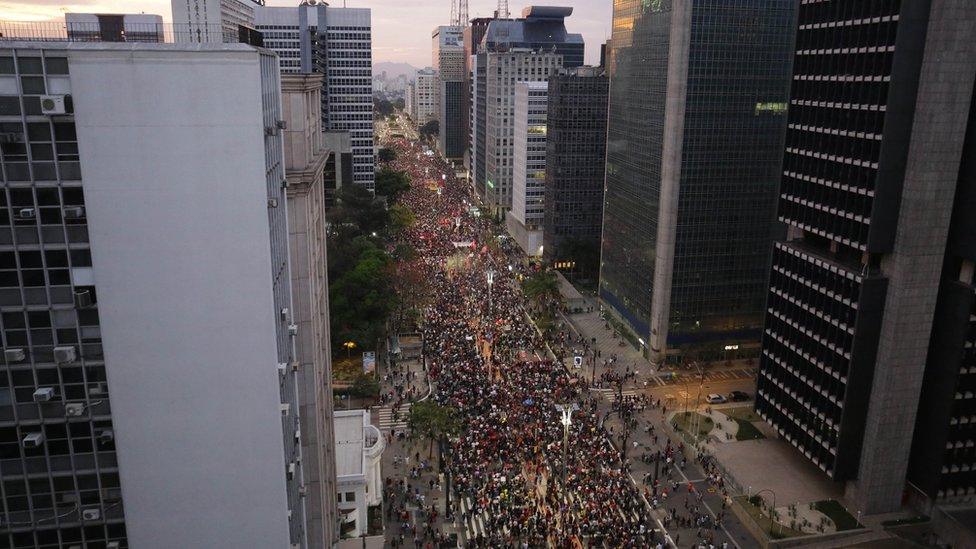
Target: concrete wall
{"type": "Point", "coordinates": [173, 159]}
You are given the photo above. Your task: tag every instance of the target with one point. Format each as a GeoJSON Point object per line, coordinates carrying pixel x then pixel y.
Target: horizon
{"type": "Point", "coordinates": [390, 44]}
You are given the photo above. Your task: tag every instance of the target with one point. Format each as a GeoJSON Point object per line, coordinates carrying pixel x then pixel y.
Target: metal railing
{"type": "Point", "coordinates": [56, 31]}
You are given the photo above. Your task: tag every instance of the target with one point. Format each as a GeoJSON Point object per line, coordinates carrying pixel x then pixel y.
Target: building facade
{"type": "Point", "coordinates": [502, 72]}
{"type": "Point", "coordinates": [306, 157]}
{"type": "Point", "coordinates": [212, 21]}
{"type": "Point", "coordinates": [576, 143]}
{"type": "Point", "coordinates": [472, 35]}
{"type": "Point", "coordinates": [524, 220]}
{"type": "Point", "coordinates": [103, 439]}
{"type": "Point", "coordinates": [698, 93]}
{"type": "Point", "coordinates": [359, 453]}
{"type": "Point", "coordinates": [337, 43]}
{"type": "Point", "coordinates": [448, 58]}
{"type": "Point", "coordinates": [426, 84]}
{"type": "Point", "coordinates": [853, 289]}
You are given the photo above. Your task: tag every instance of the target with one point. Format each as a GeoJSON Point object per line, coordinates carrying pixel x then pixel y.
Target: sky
{"type": "Point", "coordinates": [401, 28]}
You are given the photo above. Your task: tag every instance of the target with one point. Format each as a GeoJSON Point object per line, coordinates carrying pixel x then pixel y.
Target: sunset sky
{"type": "Point", "coordinates": [401, 28]}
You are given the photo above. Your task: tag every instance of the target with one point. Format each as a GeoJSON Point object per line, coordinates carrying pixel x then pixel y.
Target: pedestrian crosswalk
{"type": "Point", "coordinates": [385, 417]}
{"type": "Point", "coordinates": [611, 393]}
{"type": "Point", "coordinates": [473, 522]}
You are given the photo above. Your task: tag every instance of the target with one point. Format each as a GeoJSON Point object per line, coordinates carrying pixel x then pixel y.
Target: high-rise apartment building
{"type": "Point", "coordinates": [306, 159]}
{"type": "Point", "coordinates": [147, 398]}
{"type": "Point", "coordinates": [698, 93]}
{"type": "Point", "coordinates": [120, 27]}
{"type": "Point", "coordinates": [524, 220]}
{"type": "Point", "coordinates": [472, 35]}
{"type": "Point", "coordinates": [212, 20]}
{"type": "Point", "coordinates": [448, 58]}
{"type": "Point", "coordinates": [501, 72]}
{"type": "Point", "coordinates": [424, 105]}
{"type": "Point", "coordinates": [540, 28]}
{"type": "Point", "coordinates": [576, 143]}
{"type": "Point", "coordinates": [880, 99]}
{"type": "Point", "coordinates": [410, 95]}
{"type": "Point", "coordinates": [337, 43]}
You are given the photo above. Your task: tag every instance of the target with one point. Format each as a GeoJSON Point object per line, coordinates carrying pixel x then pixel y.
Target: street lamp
{"type": "Point", "coordinates": [491, 280]}
{"type": "Point", "coordinates": [566, 419]}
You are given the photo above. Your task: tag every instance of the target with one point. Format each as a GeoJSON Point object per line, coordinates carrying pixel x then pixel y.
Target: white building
{"type": "Point", "coordinates": [425, 96]}
{"type": "Point", "coordinates": [211, 20]}
{"type": "Point", "coordinates": [409, 99]}
{"type": "Point", "coordinates": [165, 226]}
{"type": "Point", "coordinates": [524, 220]}
{"type": "Point", "coordinates": [359, 450]}
{"type": "Point", "coordinates": [502, 71]}
{"type": "Point", "coordinates": [336, 42]}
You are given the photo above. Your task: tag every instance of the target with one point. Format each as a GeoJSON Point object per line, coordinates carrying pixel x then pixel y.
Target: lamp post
{"type": "Point", "coordinates": [567, 419]}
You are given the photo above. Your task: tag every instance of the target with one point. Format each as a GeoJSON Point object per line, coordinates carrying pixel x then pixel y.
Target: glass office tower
{"type": "Point", "coordinates": [695, 134]}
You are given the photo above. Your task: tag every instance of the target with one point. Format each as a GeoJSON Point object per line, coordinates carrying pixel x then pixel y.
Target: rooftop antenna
{"type": "Point", "coordinates": [462, 13]}
{"type": "Point", "coordinates": [454, 12]}
{"type": "Point", "coordinates": [503, 9]}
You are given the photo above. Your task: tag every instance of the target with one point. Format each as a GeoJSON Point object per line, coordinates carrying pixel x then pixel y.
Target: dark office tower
{"type": "Point", "coordinates": [878, 110]}
{"type": "Point", "coordinates": [471, 36]}
{"type": "Point", "coordinates": [576, 144]}
{"type": "Point", "coordinates": [943, 463]}
{"type": "Point", "coordinates": [698, 93]}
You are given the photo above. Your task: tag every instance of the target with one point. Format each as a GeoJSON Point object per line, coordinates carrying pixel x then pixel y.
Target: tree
{"type": "Point", "coordinates": [541, 286]}
{"type": "Point", "coordinates": [391, 184]}
{"type": "Point", "coordinates": [399, 104]}
{"type": "Point", "coordinates": [401, 218]}
{"type": "Point", "coordinates": [364, 386]}
{"type": "Point", "coordinates": [383, 107]}
{"type": "Point", "coordinates": [360, 209]}
{"type": "Point", "coordinates": [361, 299]}
{"type": "Point", "coordinates": [432, 422]}
{"type": "Point", "coordinates": [386, 154]}
{"type": "Point", "coordinates": [430, 129]}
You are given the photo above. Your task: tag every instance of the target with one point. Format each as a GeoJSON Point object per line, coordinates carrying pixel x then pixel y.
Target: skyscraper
{"type": "Point", "coordinates": [212, 21]}
{"type": "Point", "coordinates": [501, 72]}
{"type": "Point", "coordinates": [335, 42]}
{"type": "Point", "coordinates": [576, 144]}
{"type": "Point", "coordinates": [471, 37]}
{"type": "Point", "coordinates": [147, 398]}
{"type": "Point", "coordinates": [698, 93]}
{"type": "Point", "coordinates": [877, 119]}
{"type": "Point", "coordinates": [524, 220]}
{"type": "Point", "coordinates": [424, 102]}
{"type": "Point", "coordinates": [448, 58]}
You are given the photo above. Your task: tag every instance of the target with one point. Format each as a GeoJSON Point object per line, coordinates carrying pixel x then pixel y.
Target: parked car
{"type": "Point", "coordinates": [739, 396]}
{"type": "Point", "coordinates": [715, 399]}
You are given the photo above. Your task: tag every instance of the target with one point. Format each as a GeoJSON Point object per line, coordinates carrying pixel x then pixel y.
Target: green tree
{"type": "Point", "coordinates": [365, 386]}
{"type": "Point", "coordinates": [361, 299]}
{"type": "Point", "coordinates": [430, 129]}
{"type": "Point", "coordinates": [433, 422]}
{"type": "Point", "coordinates": [541, 286]}
{"type": "Point", "coordinates": [391, 184]}
{"type": "Point", "coordinates": [401, 218]}
{"type": "Point", "coordinates": [386, 154]}
{"type": "Point", "coordinates": [382, 107]}
{"type": "Point", "coordinates": [360, 210]}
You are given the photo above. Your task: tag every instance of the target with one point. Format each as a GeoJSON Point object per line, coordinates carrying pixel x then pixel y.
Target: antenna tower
{"type": "Point", "coordinates": [462, 13]}
{"type": "Point", "coordinates": [503, 9]}
{"type": "Point", "coordinates": [454, 12]}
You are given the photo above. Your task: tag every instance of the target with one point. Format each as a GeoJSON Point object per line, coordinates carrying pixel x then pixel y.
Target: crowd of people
{"type": "Point", "coordinates": [490, 364]}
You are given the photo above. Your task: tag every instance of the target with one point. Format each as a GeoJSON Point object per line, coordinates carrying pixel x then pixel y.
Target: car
{"type": "Point", "coordinates": [715, 399]}
{"type": "Point", "coordinates": [739, 396]}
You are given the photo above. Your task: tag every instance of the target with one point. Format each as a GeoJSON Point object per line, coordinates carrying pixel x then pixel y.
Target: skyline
{"type": "Point", "coordinates": [590, 18]}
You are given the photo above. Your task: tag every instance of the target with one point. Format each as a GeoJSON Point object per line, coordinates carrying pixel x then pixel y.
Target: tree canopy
{"type": "Point", "coordinates": [430, 129]}
{"type": "Point", "coordinates": [433, 422]}
{"type": "Point", "coordinates": [386, 154]}
{"type": "Point", "coordinates": [391, 184]}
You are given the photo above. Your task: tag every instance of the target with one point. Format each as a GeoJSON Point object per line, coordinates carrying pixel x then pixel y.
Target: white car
{"type": "Point", "coordinates": [715, 399]}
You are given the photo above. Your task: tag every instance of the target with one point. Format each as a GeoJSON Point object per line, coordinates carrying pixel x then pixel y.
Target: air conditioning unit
{"type": "Point", "coordinates": [74, 409]}
{"type": "Point", "coordinates": [271, 130]}
{"type": "Point", "coordinates": [26, 213]}
{"type": "Point", "coordinates": [282, 368]}
{"type": "Point", "coordinates": [100, 389]}
{"type": "Point", "coordinates": [291, 471]}
{"type": "Point", "coordinates": [33, 440]}
{"type": "Point", "coordinates": [285, 408]}
{"type": "Point", "coordinates": [64, 355]}
{"type": "Point", "coordinates": [91, 513]}
{"type": "Point", "coordinates": [14, 355]}
{"type": "Point", "coordinates": [298, 436]}
{"type": "Point", "coordinates": [53, 104]}
{"type": "Point", "coordinates": [293, 329]}
{"type": "Point", "coordinates": [284, 313]}
{"type": "Point", "coordinates": [106, 436]}
{"type": "Point", "coordinates": [294, 365]}
{"type": "Point", "coordinates": [44, 394]}
{"type": "Point", "coordinates": [74, 212]}
{"type": "Point", "coordinates": [272, 202]}
{"type": "Point", "coordinates": [83, 299]}
{"type": "Point", "coordinates": [113, 545]}
{"type": "Point", "coordinates": [281, 124]}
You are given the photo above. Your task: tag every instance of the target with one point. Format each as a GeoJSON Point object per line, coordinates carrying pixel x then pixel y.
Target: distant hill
{"type": "Point", "coordinates": [393, 69]}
